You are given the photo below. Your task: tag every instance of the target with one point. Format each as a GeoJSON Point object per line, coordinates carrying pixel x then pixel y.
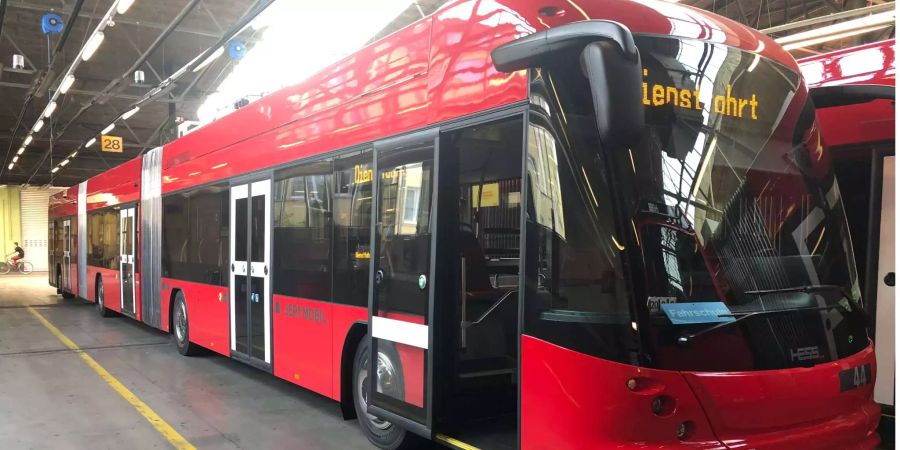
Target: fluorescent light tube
{"type": "Point", "coordinates": [123, 5]}
{"type": "Point", "coordinates": [92, 45]}
{"type": "Point", "coordinates": [214, 56]}
{"type": "Point", "coordinates": [49, 110]}
{"type": "Point", "coordinates": [128, 115]}
{"type": "Point", "coordinates": [66, 84]}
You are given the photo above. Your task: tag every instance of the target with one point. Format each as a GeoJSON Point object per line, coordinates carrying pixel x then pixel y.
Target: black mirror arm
{"type": "Point", "coordinates": [528, 51]}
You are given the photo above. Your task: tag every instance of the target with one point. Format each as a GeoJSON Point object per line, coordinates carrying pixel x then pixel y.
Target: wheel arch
{"type": "Point", "coordinates": [97, 281]}
{"type": "Point", "coordinates": [356, 333]}
{"type": "Point", "coordinates": [172, 296]}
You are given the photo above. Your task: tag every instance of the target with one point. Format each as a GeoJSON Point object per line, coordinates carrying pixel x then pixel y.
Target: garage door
{"type": "Point", "coordinates": [33, 203]}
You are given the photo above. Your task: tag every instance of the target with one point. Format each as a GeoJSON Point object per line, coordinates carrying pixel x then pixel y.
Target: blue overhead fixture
{"type": "Point", "coordinates": [51, 24]}
{"type": "Point", "coordinates": [236, 50]}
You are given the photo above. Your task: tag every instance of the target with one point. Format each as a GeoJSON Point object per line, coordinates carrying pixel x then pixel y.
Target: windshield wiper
{"type": "Point", "coordinates": [687, 338]}
{"type": "Point", "coordinates": [807, 288]}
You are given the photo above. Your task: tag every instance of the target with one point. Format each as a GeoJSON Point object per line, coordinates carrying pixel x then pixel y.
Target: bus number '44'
{"type": "Point", "coordinates": [855, 377]}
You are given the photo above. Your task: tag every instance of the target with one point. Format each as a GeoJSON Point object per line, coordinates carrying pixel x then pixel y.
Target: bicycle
{"type": "Point", "coordinates": [21, 266]}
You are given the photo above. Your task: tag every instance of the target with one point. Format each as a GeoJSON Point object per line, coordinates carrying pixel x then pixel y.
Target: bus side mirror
{"type": "Point", "coordinates": [615, 81]}
{"type": "Point", "coordinates": [610, 61]}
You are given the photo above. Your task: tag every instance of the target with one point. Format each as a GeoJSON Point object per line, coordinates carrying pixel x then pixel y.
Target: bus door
{"type": "Point", "coordinates": [401, 301]}
{"type": "Point", "coordinates": [251, 219]}
{"type": "Point", "coordinates": [126, 259]}
{"type": "Point", "coordinates": [67, 255]}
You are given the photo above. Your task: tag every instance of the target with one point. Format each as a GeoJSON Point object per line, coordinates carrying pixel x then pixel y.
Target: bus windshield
{"type": "Point", "coordinates": [728, 203]}
{"type": "Point", "coordinates": [732, 200]}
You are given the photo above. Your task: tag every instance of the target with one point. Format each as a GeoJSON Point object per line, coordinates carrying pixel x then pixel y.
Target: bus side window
{"type": "Point", "coordinates": [302, 221]}
{"type": "Point", "coordinates": [352, 217]}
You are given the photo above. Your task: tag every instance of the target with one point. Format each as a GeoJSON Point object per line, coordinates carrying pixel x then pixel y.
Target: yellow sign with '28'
{"type": "Point", "coordinates": [112, 144]}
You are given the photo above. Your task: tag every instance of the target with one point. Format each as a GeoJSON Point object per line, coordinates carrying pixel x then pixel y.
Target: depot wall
{"type": "Point", "coordinates": [10, 218]}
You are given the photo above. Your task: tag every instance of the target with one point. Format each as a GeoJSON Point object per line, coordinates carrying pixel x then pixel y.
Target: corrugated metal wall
{"type": "Point", "coordinates": [10, 218]}
{"type": "Point", "coordinates": [33, 207]}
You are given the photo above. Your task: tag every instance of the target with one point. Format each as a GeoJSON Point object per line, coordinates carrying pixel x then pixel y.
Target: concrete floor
{"type": "Point", "coordinates": [51, 399]}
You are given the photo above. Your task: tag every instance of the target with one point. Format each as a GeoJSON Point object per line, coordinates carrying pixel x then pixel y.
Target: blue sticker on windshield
{"type": "Point", "coordinates": [699, 312]}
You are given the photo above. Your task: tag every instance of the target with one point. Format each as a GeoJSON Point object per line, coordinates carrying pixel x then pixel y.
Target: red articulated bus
{"type": "Point", "coordinates": [552, 224]}
{"type": "Point", "coordinates": [854, 95]}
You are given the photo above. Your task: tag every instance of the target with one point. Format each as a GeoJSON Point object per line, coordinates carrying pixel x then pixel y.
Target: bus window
{"type": "Point", "coordinates": [575, 290]}
{"type": "Point", "coordinates": [352, 216]}
{"type": "Point", "coordinates": [302, 242]}
{"type": "Point", "coordinates": [195, 235]}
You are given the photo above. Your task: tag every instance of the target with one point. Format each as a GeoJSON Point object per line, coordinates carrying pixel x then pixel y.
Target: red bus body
{"type": "Point", "coordinates": [436, 70]}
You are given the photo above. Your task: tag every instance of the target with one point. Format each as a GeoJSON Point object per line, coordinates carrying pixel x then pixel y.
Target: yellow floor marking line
{"type": "Point", "coordinates": [177, 440]}
{"type": "Point", "coordinates": [455, 442]}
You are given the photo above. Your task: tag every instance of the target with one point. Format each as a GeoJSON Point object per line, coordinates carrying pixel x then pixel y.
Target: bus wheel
{"type": "Point", "coordinates": [181, 328]}
{"type": "Point", "coordinates": [101, 309]}
{"type": "Point", "coordinates": [383, 434]}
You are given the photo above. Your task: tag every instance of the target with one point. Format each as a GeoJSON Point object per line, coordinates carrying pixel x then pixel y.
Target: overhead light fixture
{"type": "Point", "coordinates": [92, 45]}
{"type": "Point", "coordinates": [54, 170]}
{"type": "Point", "coordinates": [27, 141]}
{"type": "Point", "coordinates": [128, 115]}
{"type": "Point", "coordinates": [833, 37]}
{"type": "Point", "coordinates": [21, 150]}
{"type": "Point", "coordinates": [49, 110]}
{"type": "Point", "coordinates": [209, 59]}
{"type": "Point", "coordinates": [838, 30]}
{"type": "Point", "coordinates": [15, 159]}
{"type": "Point", "coordinates": [10, 166]}
{"type": "Point", "coordinates": [74, 154]}
{"type": "Point", "coordinates": [18, 62]}
{"type": "Point", "coordinates": [123, 5]}
{"type": "Point", "coordinates": [108, 128]}
{"type": "Point", "coordinates": [38, 125]}
{"type": "Point", "coordinates": [64, 163]}
{"type": "Point", "coordinates": [66, 84]}
{"type": "Point", "coordinates": [90, 142]}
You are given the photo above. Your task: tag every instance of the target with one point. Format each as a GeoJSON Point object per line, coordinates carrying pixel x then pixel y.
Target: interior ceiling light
{"type": "Point", "coordinates": [55, 169]}
{"type": "Point", "coordinates": [128, 115]}
{"type": "Point", "coordinates": [10, 166]}
{"type": "Point", "coordinates": [21, 150]}
{"type": "Point", "coordinates": [27, 141]}
{"type": "Point", "coordinates": [209, 59]}
{"type": "Point", "coordinates": [92, 45]}
{"type": "Point", "coordinates": [64, 163]}
{"type": "Point", "coordinates": [50, 108]}
{"type": "Point", "coordinates": [123, 5]}
{"type": "Point", "coordinates": [90, 142]}
{"type": "Point", "coordinates": [15, 159]}
{"type": "Point", "coordinates": [856, 26]}
{"type": "Point", "coordinates": [108, 128]}
{"type": "Point", "coordinates": [38, 125]}
{"type": "Point", "coordinates": [74, 154]}
{"type": "Point", "coordinates": [66, 84]}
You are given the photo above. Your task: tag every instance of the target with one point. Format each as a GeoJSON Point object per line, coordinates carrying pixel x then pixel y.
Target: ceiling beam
{"type": "Point", "coordinates": [118, 19]}
{"type": "Point", "coordinates": [831, 17]}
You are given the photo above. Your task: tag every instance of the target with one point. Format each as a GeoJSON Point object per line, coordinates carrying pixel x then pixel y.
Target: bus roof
{"type": "Point", "coordinates": [866, 64]}
{"type": "Point", "coordinates": [435, 69]}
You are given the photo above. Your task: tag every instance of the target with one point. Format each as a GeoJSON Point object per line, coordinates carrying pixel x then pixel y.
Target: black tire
{"type": "Point", "coordinates": [181, 330]}
{"type": "Point", "coordinates": [381, 433]}
{"type": "Point", "coordinates": [102, 310]}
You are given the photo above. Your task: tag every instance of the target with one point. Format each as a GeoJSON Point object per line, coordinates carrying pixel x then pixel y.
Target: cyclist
{"type": "Point", "coordinates": [17, 254]}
